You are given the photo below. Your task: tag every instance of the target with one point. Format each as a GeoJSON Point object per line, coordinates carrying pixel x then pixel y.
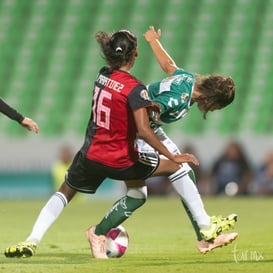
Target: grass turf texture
{"type": "Point", "coordinates": [161, 238]}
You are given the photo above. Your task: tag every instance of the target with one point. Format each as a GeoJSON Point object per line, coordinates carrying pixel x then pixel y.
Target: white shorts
{"type": "Point", "coordinates": [144, 147]}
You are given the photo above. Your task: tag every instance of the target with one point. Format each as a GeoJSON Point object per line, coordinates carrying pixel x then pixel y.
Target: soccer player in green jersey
{"type": "Point", "coordinates": [175, 95]}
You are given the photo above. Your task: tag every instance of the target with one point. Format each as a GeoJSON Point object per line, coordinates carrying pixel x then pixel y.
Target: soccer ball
{"type": "Point", "coordinates": [117, 242]}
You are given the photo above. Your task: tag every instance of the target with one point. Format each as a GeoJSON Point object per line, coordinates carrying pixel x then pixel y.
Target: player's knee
{"type": "Point", "coordinates": [176, 175]}
{"type": "Point", "coordinates": [186, 167]}
{"type": "Point", "coordinates": [138, 193]}
{"type": "Point", "coordinates": [181, 172]}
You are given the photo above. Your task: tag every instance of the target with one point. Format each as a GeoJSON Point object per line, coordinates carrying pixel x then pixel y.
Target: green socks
{"type": "Point", "coordinates": [120, 211]}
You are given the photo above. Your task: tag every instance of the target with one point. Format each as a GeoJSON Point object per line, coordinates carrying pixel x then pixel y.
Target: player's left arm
{"type": "Point", "coordinates": [164, 59]}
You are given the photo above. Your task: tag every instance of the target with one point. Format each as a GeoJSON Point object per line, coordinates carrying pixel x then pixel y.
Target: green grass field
{"type": "Point", "coordinates": [161, 238]}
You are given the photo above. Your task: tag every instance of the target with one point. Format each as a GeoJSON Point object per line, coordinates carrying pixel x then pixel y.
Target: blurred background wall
{"type": "Point", "coordinates": [49, 59]}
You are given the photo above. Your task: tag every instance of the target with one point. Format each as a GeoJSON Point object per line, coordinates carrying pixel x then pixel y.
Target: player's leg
{"type": "Point", "coordinates": [193, 222]}
{"type": "Point", "coordinates": [121, 211]}
{"type": "Point", "coordinates": [185, 187]}
{"type": "Point", "coordinates": [123, 208]}
{"type": "Point", "coordinates": [194, 207]}
{"type": "Point", "coordinates": [187, 190]}
{"type": "Point", "coordinates": [48, 215]}
{"type": "Point", "coordinates": [135, 197]}
{"type": "Point", "coordinates": [50, 212]}
{"type": "Point", "coordinates": [202, 245]}
{"type": "Point", "coordinates": [184, 183]}
{"type": "Point", "coordinates": [136, 190]}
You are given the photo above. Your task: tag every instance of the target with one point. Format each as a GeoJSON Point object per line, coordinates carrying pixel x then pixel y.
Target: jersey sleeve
{"type": "Point", "coordinates": [178, 71]}
{"type": "Point", "coordinates": [10, 112]}
{"type": "Point", "coordinates": [139, 98]}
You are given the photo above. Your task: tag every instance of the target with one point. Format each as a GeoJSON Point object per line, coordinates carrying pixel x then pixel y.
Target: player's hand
{"type": "Point", "coordinates": [30, 125]}
{"type": "Point", "coordinates": [183, 158]}
{"type": "Point", "coordinates": [151, 35]}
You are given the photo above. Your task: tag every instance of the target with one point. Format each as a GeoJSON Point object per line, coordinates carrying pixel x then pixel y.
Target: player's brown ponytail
{"type": "Point", "coordinates": [118, 48]}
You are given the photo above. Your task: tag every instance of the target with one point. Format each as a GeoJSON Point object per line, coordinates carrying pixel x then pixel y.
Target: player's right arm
{"type": "Point", "coordinates": [145, 132]}
{"type": "Point", "coordinates": [164, 59]}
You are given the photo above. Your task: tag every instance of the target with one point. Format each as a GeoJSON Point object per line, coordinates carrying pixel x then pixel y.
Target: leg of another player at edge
{"type": "Point", "coordinates": [50, 212]}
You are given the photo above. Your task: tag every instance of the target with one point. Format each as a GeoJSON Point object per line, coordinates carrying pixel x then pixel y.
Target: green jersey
{"type": "Point", "coordinates": [173, 94]}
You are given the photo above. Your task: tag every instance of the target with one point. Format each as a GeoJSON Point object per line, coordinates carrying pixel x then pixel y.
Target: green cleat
{"type": "Point", "coordinates": [24, 250]}
{"type": "Point", "coordinates": [218, 224]}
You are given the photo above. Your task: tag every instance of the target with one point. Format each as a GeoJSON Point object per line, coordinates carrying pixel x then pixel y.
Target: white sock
{"type": "Point", "coordinates": [47, 217]}
{"type": "Point", "coordinates": [187, 190]}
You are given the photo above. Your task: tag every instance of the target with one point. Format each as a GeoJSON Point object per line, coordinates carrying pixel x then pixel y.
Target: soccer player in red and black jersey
{"type": "Point", "coordinates": [14, 115]}
{"type": "Point", "coordinates": [119, 113]}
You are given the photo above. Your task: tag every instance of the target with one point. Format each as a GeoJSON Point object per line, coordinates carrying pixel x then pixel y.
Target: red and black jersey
{"type": "Point", "coordinates": [111, 130]}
